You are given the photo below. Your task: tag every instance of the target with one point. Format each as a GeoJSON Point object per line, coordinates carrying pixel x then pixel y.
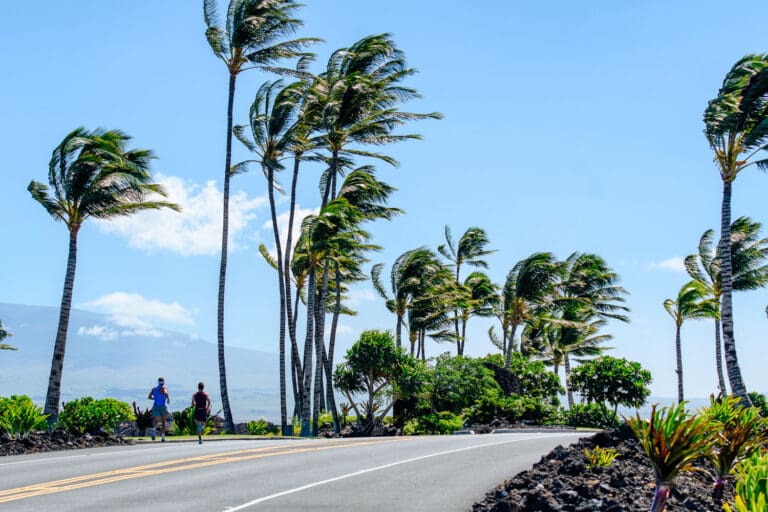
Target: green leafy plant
{"type": "Point", "coordinates": [600, 457]}
{"type": "Point", "coordinates": [441, 423]}
{"type": "Point", "coordinates": [89, 415]}
{"type": "Point", "coordinates": [758, 400]}
{"type": "Point", "coordinates": [737, 431]}
{"type": "Point", "coordinates": [592, 416]}
{"type": "Point", "coordinates": [494, 405]}
{"type": "Point", "coordinates": [751, 485]}
{"type": "Point", "coordinates": [612, 380]}
{"type": "Point", "coordinates": [672, 439]}
{"type": "Point", "coordinates": [19, 416]}
{"type": "Point", "coordinates": [262, 427]}
{"type": "Point", "coordinates": [184, 423]}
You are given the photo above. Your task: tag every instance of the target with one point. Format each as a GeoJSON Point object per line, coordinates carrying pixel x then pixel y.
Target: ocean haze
{"type": "Point", "coordinates": [107, 359]}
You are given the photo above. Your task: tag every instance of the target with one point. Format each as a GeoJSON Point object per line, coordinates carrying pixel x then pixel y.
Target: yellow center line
{"type": "Point", "coordinates": [106, 477]}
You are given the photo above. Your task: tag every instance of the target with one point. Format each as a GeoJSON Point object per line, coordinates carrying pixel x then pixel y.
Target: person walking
{"type": "Point", "coordinates": [202, 404]}
{"type": "Point", "coordinates": [159, 407]}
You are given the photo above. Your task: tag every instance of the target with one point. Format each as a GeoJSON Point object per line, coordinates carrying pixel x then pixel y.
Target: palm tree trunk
{"type": "Point", "coordinates": [320, 342]}
{"type": "Point", "coordinates": [307, 366]}
{"type": "Point", "coordinates": [719, 359]}
{"type": "Point", "coordinates": [460, 346]}
{"type": "Point", "coordinates": [281, 287]}
{"type": "Point", "coordinates": [331, 399]}
{"type": "Point", "coordinates": [729, 343]}
{"type": "Point", "coordinates": [567, 370]}
{"type": "Point", "coordinates": [510, 346]}
{"type": "Point", "coordinates": [295, 368]}
{"type": "Point", "coordinates": [679, 371]}
{"type": "Point", "coordinates": [399, 331]}
{"type": "Point", "coordinates": [229, 424]}
{"type": "Point", "coordinates": [53, 394]}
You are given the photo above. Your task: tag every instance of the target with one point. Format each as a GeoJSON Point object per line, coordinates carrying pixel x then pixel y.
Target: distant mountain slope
{"type": "Point", "coordinates": [104, 359]}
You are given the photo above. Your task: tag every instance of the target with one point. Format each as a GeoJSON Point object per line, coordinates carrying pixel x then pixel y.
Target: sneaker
{"type": "Point", "coordinates": [163, 439]}
{"type": "Point", "coordinates": [152, 434]}
{"type": "Point", "coordinates": [199, 441]}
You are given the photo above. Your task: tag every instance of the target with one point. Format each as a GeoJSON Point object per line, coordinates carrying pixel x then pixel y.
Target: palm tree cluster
{"type": "Point", "coordinates": [558, 307]}
{"type": "Point", "coordinates": [701, 297]}
{"type": "Point", "coordinates": [332, 118]}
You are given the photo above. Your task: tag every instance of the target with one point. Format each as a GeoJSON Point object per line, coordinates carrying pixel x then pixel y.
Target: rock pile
{"type": "Point", "coordinates": [38, 442]}
{"type": "Point", "coordinates": [562, 482]}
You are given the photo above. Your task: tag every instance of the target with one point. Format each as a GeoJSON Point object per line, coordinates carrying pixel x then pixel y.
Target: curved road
{"type": "Point", "coordinates": [440, 473]}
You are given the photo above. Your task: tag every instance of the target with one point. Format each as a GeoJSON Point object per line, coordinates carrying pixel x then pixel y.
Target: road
{"type": "Point", "coordinates": [440, 473]}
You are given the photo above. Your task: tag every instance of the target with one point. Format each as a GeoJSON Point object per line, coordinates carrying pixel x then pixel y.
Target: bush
{"type": "Point", "coordinates": [89, 415]}
{"type": "Point", "coordinates": [599, 457]}
{"type": "Point", "coordinates": [515, 408]}
{"type": "Point", "coordinates": [262, 427]}
{"type": "Point", "coordinates": [184, 423]}
{"type": "Point", "coordinates": [592, 416]}
{"type": "Point", "coordinates": [19, 416]}
{"type": "Point", "coordinates": [443, 422]}
{"type": "Point", "coordinates": [758, 400]}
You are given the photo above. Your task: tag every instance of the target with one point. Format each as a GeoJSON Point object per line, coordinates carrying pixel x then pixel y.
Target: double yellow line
{"type": "Point", "coordinates": [80, 482]}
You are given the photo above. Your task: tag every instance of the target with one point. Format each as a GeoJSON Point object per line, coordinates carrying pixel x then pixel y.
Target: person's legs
{"type": "Point", "coordinates": [165, 413]}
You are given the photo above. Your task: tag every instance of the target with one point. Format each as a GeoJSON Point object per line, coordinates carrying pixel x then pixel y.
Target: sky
{"type": "Point", "coordinates": [569, 126]}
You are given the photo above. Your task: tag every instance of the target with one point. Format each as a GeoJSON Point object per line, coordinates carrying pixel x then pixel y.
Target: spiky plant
{"type": "Point", "coordinates": [752, 485]}
{"type": "Point", "coordinates": [672, 439]}
{"type": "Point", "coordinates": [737, 431]}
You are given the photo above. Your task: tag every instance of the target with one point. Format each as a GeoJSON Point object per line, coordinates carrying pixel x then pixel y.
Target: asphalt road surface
{"type": "Point", "coordinates": [440, 473]}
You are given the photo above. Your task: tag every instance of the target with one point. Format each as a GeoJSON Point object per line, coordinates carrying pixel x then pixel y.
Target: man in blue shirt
{"type": "Point", "coordinates": [160, 406]}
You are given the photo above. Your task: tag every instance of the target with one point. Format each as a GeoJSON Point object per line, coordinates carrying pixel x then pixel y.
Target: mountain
{"type": "Point", "coordinates": [106, 359]}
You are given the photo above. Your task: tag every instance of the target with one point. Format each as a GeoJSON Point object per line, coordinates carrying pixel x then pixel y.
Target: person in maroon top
{"type": "Point", "coordinates": [202, 404]}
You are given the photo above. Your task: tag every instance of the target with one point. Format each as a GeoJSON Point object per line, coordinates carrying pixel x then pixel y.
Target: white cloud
{"type": "Point", "coordinates": [356, 297]}
{"type": "Point", "coordinates": [282, 225]}
{"type": "Point", "coordinates": [676, 264]}
{"type": "Point", "coordinates": [196, 229]}
{"type": "Point", "coordinates": [98, 331]}
{"type": "Point", "coordinates": [137, 313]}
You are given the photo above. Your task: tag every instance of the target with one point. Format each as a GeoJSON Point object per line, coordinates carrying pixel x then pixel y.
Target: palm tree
{"type": "Point", "coordinates": [691, 303]}
{"type": "Point", "coordinates": [3, 336]}
{"type": "Point", "coordinates": [91, 174]}
{"type": "Point", "coordinates": [587, 291]}
{"type": "Point", "coordinates": [357, 99]}
{"type": "Point", "coordinates": [736, 127]}
{"type": "Point", "coordinates": [527, 286]}
{"type": "Point", "coordinates": [470, 250]}
{"type": "Point", "coordinates": [252, 37]}
{"type": "Point", "coordinates": [750, 271]}
{"type": "Point", "coordinates": [478, 298]}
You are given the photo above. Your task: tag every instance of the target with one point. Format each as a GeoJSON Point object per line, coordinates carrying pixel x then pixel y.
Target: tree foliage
{"type": "Point", "coordinates": [612, 380]}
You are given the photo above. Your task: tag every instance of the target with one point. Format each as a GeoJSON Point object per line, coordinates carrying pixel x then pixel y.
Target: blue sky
{"type": "Point", "coordinates": [568, 127]}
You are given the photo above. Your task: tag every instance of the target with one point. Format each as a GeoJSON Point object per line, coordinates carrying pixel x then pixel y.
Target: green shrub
{"type": "Point", "coordinates": [19, 416]}
{"type": "Point", "coordinates": [262, 427]}
{"type": "Point", "coordinates": [591, 416]}
{"type": "Point", "coordinates": [89, 415]}
{"type": "Point", "coordinates": [143, 418]}
{"type": "Point", "coordinates": [441, 423]}
{"type": "Point", "coordinates": [759, 401]}
{"type": "Point", "coordinates": [184, 423]}
{"type": "Point", "coordinates": [514, 408]}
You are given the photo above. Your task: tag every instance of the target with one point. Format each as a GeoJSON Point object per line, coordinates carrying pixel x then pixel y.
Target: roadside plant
{"type": "Point", "coordinates": [592, 416]}
{"type": "Point", "coordinates": [600, 457]}
{"type": "Point", "coordinates": [758, 400]}
{"type": "Point", "coordinates": [751, 485]}
{"type": "Point", "coordinates": [613, 380]}
{"type": "Point", "coordinates": [89, 415]}
{"type": "Point", "coordinates": [737, 431]}
{"type": "Point", "coordinates": [262, 427]}
{"type": "Point", "coordinates": [19, 416]}
{"type": "Point", "coordinates": [184, 422]}
{"type": "Point", "coordinates": [143, 418]}
{"type": "Point", "coordinates": [672, 439]}
{"type": "Point", "coordinates": [441, 423]}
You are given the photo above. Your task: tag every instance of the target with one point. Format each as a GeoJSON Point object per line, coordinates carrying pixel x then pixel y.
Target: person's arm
{"type": "Point", "coordinates": [193, 400]}
{"type": "Point", "coordinates": [151, 394]}
{"type": "Point", "coordinates": [167, 396]}
{"type": "Point", "coordinates": [207, 404]}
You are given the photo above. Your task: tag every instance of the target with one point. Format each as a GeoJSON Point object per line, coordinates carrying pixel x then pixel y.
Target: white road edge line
{"type": "Point", "coordinates": [377, 468]}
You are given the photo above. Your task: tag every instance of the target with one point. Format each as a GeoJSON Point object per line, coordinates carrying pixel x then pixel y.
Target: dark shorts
{"type": "Point", "coordinates": [200, 415]}
{"type": "Point", "coordinates": [159, 411]}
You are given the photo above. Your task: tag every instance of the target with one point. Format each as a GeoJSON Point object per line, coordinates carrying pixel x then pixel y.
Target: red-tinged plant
{"type": "Point", "coordinates": [737, 433]}
{"type": "Point", "coordinates": [672, 439]}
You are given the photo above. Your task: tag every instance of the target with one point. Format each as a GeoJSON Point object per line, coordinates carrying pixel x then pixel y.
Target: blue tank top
{"type": "Point", "coordinates": [159, 396]}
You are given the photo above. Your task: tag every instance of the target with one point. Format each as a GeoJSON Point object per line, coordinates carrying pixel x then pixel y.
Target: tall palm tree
{"type": "Point", "coordinates": [3, 336]}
{"type": "Point", "coordinates": [691, 303]}
{"type": "Point", "coordinates": [749, 253]}
{"type": "Point", "coordinates": [478, 298]}
{"type": "Point", "coordinates": [736, 128]}
{"type": "Point", "coordinates": [91, 174]}
{"type": "Point", "coordinates": [252, 36]}
{"type": "Point", "coordinates": [470, 250]}
{"type": "Point", "coordinates": [527, 286]}
{"type": "Point", "coordinates": [587, 290]}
